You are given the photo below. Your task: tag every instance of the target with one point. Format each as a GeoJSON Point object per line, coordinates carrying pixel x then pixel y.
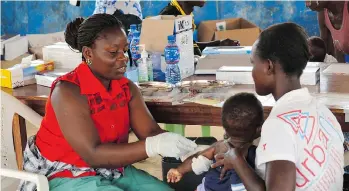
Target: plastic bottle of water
{"type": "Point", "coordinates": [133, 28]}
{"type": "Point", "coordinates": [134, 47]}
{"type": "Point", "coordinates": [150, 70]}
{"type": "Point", "coordinates": [143, 65]}
{"type": "Point", "coordinates": [158, 74]}
{"type": "Point", "coordinates": [172, 56]}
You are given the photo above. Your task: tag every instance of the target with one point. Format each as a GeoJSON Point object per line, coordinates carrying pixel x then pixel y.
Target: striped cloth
{"type": "Point", "coordinates": [34, 162]}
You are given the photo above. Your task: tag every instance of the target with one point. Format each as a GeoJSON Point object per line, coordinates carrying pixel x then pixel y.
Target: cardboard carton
{"type": "Point", "coordinates": [155, 31]}
{"type": "Point", "coordinates": [63, 56]}
{"type": "Point", "coordinates": [236, 29]}
{"type": "Point", "coordinates": [24, 73]}
{"type": "Point", "coordinates": [215, 57]}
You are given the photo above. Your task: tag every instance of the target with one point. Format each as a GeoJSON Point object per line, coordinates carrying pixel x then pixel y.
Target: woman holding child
{"type": "Point", "coordinates": [301, 146]}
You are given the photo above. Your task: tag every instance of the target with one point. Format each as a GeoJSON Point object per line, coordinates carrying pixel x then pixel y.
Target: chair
{"type": "Point", "coordinates": [10, 106]}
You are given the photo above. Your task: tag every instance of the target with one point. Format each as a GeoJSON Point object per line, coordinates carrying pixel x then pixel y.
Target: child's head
{"type": "Point", "coordinates": [242, 117]}
{"type": "Point", "coordinates": [317, 49]}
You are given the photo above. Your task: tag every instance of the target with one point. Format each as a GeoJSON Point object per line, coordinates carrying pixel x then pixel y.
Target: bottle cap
{"type": "Point", "coordinates": [144, 53]}
{"type": "Point", "coordinates": [133, 26]}
{"type": "Point", "coordinates": [171, 38]}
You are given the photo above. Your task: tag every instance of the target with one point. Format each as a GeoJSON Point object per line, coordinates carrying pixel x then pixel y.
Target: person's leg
{"type": "Point", "coordinates": [138, 180]}
{"type": "Point", "coordinates": [90, 183]}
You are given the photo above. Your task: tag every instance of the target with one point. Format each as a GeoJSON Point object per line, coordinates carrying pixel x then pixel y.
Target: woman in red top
{"type": "Point", "coordinates": [82, 143]}
{"type": "Point", "coordinates": [333, 19]}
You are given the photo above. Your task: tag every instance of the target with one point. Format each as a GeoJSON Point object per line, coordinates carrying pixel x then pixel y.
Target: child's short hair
{"type": "Point", "coordinates": [242, 114]}
{"type": "Point", "coordinates": [317, 49]}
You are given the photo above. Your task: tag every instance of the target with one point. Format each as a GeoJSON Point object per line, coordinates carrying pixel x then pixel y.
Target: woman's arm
{"type": "Point", "coordinates": [276, 172]}
{"type": "Point", "coordinates": [142, 122]}
{"type": "Point", "coordinates": [73, 115]}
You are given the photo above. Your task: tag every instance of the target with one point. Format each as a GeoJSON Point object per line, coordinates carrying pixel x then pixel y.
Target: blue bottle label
{"type": "Point", "coordinates": [172, 55]}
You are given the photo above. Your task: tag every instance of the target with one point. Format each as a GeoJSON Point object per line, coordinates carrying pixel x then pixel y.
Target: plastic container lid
{"type": "Point", "coordinates": [144, 53]}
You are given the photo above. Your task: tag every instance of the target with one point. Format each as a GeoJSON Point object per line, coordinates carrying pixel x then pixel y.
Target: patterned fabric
{"type": "Point", "coordinates": [126, 6]}
{"type": "Point", "coordinates": [34, 162]}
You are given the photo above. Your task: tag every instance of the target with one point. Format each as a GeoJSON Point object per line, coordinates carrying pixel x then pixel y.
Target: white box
{"type": "Point", "coordinates": [243, 75]}
{"type": "Point", "coordinates": [46, 79]}
{"type": "Point", "coordinates": [215, 57]}
{"type": "Point", "coordinates": [16, 47]}
{"type": "Point", "coordinates": [62, 55]}
{"type": "Point", "coordinates": [155, 31]}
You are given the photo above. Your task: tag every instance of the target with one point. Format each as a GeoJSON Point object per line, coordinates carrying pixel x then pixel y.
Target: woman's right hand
{"type": "Point", "coordinates": [168, 145]}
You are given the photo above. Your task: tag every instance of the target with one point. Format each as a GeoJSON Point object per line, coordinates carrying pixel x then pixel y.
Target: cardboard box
{"type": "Point", "coordinates": [47, 78]}
{"type": "Point", "coordinates": [23, 74]}
{"type": "Point", "coordinates": [155, 31]}
{"type": "Point", "coordinates": [215, 57]}
{"type": "Point", "coordinates": [236, 29]}
{"type": "Point", "coordinates": [63, 56]}
{"type": "Point", "coordinates": [243, 75]}
{"type": "Point", "coordinates": [335, 78]}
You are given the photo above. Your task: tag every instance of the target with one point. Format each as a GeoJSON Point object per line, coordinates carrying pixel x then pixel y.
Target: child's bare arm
{"type": "Point", "coordinates": [186, 167]}
{"type": "Point", "coordinates": [175, 175]}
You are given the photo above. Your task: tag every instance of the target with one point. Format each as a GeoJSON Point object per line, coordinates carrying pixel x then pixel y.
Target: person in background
{"type": "Point", "coordinates": [242, 119]}
{"type": "Point", "coordinates": [82, 143]}
{"type": "Point", "coordinates": [317, 50]}
{"type": "Point", "coordinates": [127, 20]}
{"type": "Point", "coordinates": [126, 7]}
{"type": "Point", "coordinates": [333, 17]}
{"type": "Point", "coordinates": [186, 8]}
{"type": "Point", "coordinates": [301, 145]}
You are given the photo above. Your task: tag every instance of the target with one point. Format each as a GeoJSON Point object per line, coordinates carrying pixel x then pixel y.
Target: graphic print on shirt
{"type": "Point", "coordinates": [319, 161]}
{"type": "Point", "coordinates": [97, 105]}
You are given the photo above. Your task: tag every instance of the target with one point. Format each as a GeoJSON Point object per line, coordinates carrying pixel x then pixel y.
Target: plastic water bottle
{"type": "Point", "coordinates": [158, 74]}
{"type": "Point", "coordinates": [150, 70]}
{"type": "Point", "coordinates": [134, 47]}
{"type": "Point", "coordinates": [133, 28]}
{"type": "Point", "coordinates": [172, 56]}
{"type": "Point", "coordinates": [143, 65]}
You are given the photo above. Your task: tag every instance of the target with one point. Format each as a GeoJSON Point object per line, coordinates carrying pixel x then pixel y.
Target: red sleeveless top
{"type": "Point", "coordinates": [109, 112]}
{"type": "Point", "coordinates": [340, 37]}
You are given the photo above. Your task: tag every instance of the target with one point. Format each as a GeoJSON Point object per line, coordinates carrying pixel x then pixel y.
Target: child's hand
{"type": "Point", "coordinates": [174, 175]}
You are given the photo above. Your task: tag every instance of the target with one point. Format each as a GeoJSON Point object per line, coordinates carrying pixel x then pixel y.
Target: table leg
{"type": "Point", "coordinates": [206, 131]}
{"type": "Point", "coordinates": [175, 128]}
{"type": "Point", "coordinates": [19, 132]}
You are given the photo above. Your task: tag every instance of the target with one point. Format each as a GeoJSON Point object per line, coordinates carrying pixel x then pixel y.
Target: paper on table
{"type": "Point", "coordinates": [337, 69]}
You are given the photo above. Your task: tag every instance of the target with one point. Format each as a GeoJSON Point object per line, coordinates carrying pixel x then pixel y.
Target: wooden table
{"type": "Point", "coordinates": [35, 96]}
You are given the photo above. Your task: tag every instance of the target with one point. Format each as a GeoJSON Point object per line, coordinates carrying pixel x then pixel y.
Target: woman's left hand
{"type": "Point", "coordinates": [227, 160]}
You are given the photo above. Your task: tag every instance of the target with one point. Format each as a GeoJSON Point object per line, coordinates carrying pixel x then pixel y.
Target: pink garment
{"type": "Point", "coordinates": [340, 37]}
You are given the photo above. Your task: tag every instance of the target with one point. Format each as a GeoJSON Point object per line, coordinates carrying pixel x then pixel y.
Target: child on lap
{"type": "Point", "coordinates": [242, 118]}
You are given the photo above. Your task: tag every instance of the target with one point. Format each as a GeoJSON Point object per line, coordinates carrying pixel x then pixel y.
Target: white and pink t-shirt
{"type": "Point", "coordinates": [301, 130]}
